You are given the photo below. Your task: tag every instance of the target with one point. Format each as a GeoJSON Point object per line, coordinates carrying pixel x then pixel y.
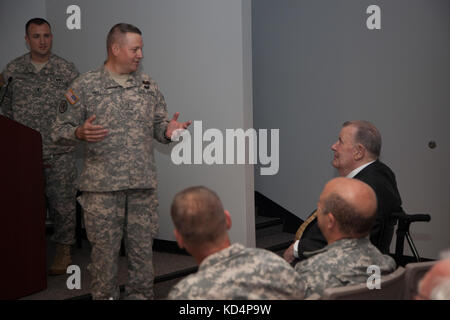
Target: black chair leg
{"type": "Point", "coordinates": [404, 222]}
{"type": "Point", "coordinates": [412, 247]}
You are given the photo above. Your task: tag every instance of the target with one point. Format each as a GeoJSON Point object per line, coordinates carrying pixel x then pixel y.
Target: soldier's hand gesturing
{"type": "Point", "coordinates": [90, 132]}
{"type": "Point", "coordinates": [174, 125]}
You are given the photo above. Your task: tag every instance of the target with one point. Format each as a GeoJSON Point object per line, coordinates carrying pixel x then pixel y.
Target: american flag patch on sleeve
{"type": "Point", "coordinates": [71, 97]}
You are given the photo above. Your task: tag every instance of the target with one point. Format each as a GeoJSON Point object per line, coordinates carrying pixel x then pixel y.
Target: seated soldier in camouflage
{"type": "Point", "coordinates": [345, 214]}
{"type": "Point", "coordinates": [225, 271]}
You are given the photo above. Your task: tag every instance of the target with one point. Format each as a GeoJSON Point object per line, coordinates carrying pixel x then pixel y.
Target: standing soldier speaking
{"type": "Point", "coordinates": [118, 111]}
{"type": "Point", "coordinates": [36, 82]}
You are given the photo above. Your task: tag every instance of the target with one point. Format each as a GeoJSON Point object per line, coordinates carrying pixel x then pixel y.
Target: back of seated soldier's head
{"type": "Point", "coordinates": [198, 216]}
{"type": "Point", "coordinates": [347, 208]}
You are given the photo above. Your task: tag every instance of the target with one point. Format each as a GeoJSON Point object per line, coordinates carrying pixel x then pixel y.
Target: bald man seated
{"type": "Point", "coordinates": [345, 214]}
{"type": "Point", "coordinates": [226, 271]}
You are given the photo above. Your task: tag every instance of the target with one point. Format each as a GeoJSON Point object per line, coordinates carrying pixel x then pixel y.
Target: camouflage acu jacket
{"type": "Point", "coordinates": [241, 273]}
{"type": "Point", "coordinates": [134, 116]}
{"type": "Point", "coordinates": [33, 97]}
{"type": "Point", "coordinates": [341, 263]}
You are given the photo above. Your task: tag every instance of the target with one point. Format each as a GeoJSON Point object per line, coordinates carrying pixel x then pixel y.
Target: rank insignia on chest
{"type": "Point", "coordinates": [63, 106]}
{"type": "Point", "coordinates": [146, 84]}
{"type": "Point", "coordinates": [71, 97]}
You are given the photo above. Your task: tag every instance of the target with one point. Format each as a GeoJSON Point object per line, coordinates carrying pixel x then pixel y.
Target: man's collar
{"type": "Point", "coordinates": [30, 66]}
{"type": "Point", "coordinates": [28, 57]}
{"type": "Point", "coordinates": [359, 169]}
{"type": "Point", "coordinates": [221, 255]}
{"type": "Point", "coordinates": [109, 82]}
{"type": "Point", "coordinates": [343, 242]}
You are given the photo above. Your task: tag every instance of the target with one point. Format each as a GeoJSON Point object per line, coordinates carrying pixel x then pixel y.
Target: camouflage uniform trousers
{"type": "Point", "coordinates": [60, 173]}
{"type": "Point", "coordinates": [109, 216]}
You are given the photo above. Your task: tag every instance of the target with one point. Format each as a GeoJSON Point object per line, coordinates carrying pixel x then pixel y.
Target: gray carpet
{"type": "Point", "coordinates": [164, 264]}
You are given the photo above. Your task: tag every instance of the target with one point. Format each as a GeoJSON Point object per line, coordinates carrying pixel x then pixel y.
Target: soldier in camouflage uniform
{"type": "Point", "coordinates": [225, 271]}
{"type": "Point", "coordinates": [345, 213]}
{"type": "Point", "coordinates": [38, 81]}
{"type": "Point", "coordinates": [119, 176]}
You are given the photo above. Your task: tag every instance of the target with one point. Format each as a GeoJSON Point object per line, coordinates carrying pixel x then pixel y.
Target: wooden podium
{"type": "Point", "coordinates": [22, 211]}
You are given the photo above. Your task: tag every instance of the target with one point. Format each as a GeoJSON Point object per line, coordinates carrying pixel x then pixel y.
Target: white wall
{"type": "Point", "coordinates": [316, 65]}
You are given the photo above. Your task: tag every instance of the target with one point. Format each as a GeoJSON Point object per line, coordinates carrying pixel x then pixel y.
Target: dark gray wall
{"type": "Point", "coordinates": [315, 65]}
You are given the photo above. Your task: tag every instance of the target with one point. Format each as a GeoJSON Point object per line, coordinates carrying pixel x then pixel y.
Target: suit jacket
{"type": "Point", "coordinates": [382, 180]}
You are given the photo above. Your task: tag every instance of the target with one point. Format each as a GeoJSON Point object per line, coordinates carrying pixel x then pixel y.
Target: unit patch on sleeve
{"type": "Point", "coordinates": [63, 106]}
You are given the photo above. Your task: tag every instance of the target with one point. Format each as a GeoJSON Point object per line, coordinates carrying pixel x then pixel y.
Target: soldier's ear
{"type": "Point", "coordinates": [179, 238]}
{"type": "Point", "coordinates": [228, 219]}
{"type": "Point", "coordinates": [115, 48]}
{"type": "Point", "coordinates": [331, 220]}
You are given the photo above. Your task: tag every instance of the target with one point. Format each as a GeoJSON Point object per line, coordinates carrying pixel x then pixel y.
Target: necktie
{"type": "Point", "coordinates": [302, 228]}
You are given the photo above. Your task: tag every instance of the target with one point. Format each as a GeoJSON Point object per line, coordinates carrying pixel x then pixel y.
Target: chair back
{"type": "Point", "coordinates": [392, 288]}
{"type": "Point", "coordinates": [414, 272]}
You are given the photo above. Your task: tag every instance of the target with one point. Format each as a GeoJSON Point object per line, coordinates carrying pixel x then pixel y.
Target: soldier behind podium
{"type": "Point", "coordinates": [35, 83]}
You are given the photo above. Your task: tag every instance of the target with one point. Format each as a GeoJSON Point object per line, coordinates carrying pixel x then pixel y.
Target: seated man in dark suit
{"type": "Point", "coordinates": [356, 156]}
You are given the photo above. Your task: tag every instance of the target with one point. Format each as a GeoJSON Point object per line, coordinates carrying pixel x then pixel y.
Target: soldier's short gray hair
{"type": "Point", "coordinates": [198, 215]}
{"type": "Point", "coordinates": [367, 135]}
{"type": "Point", "coordinates": [349, 220]}
{"type": "Point", "coordinates": [119, 30]}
